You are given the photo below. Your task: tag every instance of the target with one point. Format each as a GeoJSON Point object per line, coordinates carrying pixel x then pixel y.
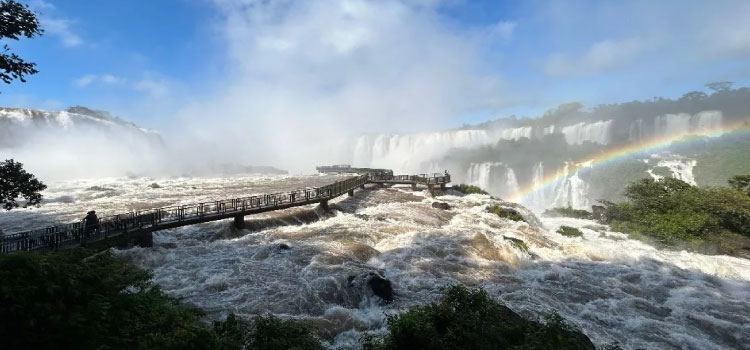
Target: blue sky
{"type": "Point", "coordinates": [368, 64]}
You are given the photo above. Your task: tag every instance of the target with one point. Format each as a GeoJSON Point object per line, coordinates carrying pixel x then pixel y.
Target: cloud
{"type": "Point", "coordinates": [502, 30]}
{"type": "Point", "coordinates": [311, 73]}
{"type": "Point", "coordinates": [56, 26]}
{"type": "Point", "coordinates": [602, 57]}
{"type": "Point", "coordinates": [727, 35]}
{"type": "Point", "coordinates": [107, 79]}
{"type": "Point", "coordinates": [153, 87]}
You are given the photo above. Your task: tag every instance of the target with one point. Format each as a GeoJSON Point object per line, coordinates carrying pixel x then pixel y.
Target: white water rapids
{"type": "Point", "coordinates": [612, 287]}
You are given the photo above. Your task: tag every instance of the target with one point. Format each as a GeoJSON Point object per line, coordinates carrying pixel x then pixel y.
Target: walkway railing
{"type": "Point", "coordinates": [175, 216]}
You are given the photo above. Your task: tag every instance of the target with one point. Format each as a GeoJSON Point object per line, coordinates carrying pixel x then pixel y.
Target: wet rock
{"type": "Point", "coordinates": [99, 189]}
{"type": "Point", "coordinates": [441, 205]}
{"type": "Point", "coordinates": [484, 247]}
{"type": "Point", "coordinates": [599, 213]}
{"type": "Point", "coordinates": [168, 245]}
{"type": "Point", "coordinates": [517, 243]}
{"type": "Point", "coordinates": [361, 251]}
{"type": "Point", "coordinates": [154, 185]}
{"type": "Point", "coordinates": [284, 246]}
{"type": "Point", "coordinates": [371, 283]}
{"type": "Point", "coordinates": [380, 287]}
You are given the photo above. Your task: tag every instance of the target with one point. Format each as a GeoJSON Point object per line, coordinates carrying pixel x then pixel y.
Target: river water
{"type": "Point", "coordinates": [613, 288]}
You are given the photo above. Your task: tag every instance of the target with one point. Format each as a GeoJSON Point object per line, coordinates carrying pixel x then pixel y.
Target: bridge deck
{"type": "Point", "coordinates": [141, 222]}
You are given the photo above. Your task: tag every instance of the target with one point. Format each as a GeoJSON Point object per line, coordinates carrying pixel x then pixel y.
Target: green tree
{"type": "Point", "coordinates": [470, 319]}
{"type": "Point", "coordinates": [741, 183]}
{"type": "Point", "coordinates": [16, 20]}
{"type": "Point", "coordinates": [719, 86]}
{"type": "Point", "coordinates": [16, 182]}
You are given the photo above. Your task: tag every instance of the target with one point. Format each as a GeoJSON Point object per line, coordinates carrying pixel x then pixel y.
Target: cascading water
{"type": "Point", "coordinates": [516, 133]}
{"type": "Point", "coordinates": [610, 286]}
{"type": "Point", "coordinates": [598, 132]}
{"type": "Point", "coordinates": [405, 153]}
{"type": "Point", "coordinates": [566, 191]}
{"type": "Point", "coordinates": [683, 123]}
{"type": "Point", "coordinates": [495, 178]}
{"type": "Point", "coordinates": [679, 167]}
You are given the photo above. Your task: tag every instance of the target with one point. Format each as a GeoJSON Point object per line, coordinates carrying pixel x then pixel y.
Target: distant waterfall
{"type": "Point", "coordinates": [636, 131]}
{"type": "Point", "coordinates": [683, 123]}
{"type": "Point", "coordinates": [406, 153]}
{"type": "Point", "coordinates": [599, 132]}
{"type": "Point", "coordinates": [495, 178]}
{"type": "Point", "coordinates": [566, 191]}
{"type": "Point", "coordinates": [516, 133]}
{"type": "Point", "coordinates": [679, 168]}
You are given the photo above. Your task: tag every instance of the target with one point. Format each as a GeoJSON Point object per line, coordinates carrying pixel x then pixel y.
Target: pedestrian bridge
{"type": "Point", "coordinates": [137, 227]}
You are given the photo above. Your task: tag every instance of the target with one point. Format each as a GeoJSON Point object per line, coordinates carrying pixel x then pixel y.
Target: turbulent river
{"type": "Point", "coordinates": [613, 288]}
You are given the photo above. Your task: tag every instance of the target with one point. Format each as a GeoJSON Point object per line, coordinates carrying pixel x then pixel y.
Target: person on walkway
{"type": "Point", "coordinates": [91, 223]}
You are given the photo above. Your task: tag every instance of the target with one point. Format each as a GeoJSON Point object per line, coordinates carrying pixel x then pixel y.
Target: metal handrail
{"type": "Point", "coordinates": [151, 219]}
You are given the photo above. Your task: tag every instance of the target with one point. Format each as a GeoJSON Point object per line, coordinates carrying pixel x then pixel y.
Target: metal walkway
{"type": "Point", "coordinates": [148, 221]}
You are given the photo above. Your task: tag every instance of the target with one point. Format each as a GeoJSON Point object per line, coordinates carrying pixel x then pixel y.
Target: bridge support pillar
{"type": "Point", "coordinates": [442, 186]}
{"type": "Point", "coordinates": [351, 193]}
{"type": "Point", "coordinates": [239, 222]}
{"type": "Point", "coordinates": [431, 188]}
{"type": "Point", "coordinates": [362, 187]}
{"type": "Point", "coordinates": [144, 240]}
{"type": "Point", "coordinates": [414, 187]}
{"type": "Point", "coordinates": [324, 205]}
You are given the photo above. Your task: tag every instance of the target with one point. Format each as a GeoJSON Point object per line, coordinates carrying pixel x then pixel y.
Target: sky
{"type": "Point", "coordinates": [280, 69]}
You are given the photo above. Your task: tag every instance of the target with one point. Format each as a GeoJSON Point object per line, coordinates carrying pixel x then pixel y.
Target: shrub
{"type": "Point", "coordinates": [568, 231]}
{"type": "Point", "coordinates": [672, 211]}
{"type": "Point", "coordinates": [272, 333]}
{"type": "Point", "coordinates": [568, 212]}
{"type": "Point", "coordinates": [469, 319]}
{"type": "Point", "coordinates": [469, 189]}
{"type": "Point", "coordinates": [65, 300]}
{"type": "Point", "coordinates": [507, 213]}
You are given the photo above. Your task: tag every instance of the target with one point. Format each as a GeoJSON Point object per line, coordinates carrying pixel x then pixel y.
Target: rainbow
{"type": "Point", "coordinates": [627, 151]}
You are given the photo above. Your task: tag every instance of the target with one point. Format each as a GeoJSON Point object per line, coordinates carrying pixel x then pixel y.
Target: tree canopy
{"type": "Point", "coordinates": [15, 182]}
{"type": "Point", "coordinates": [16, 20]}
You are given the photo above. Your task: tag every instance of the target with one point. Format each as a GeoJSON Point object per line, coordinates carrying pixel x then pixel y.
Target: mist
{"type": "Point", "coordinates": [306, 76]}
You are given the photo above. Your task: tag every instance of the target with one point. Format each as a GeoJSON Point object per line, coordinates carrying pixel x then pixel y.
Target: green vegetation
{"type": "Point", "coordinates": [670, 211]}
{"type": "Point", "coordinates": [506, 213]}
{"type": "Point", "coordinates": [68, 300]}
{"type": "Point", "coordinates": [16, 20]}
{"type": "Point", "coordinates": [568, 231]}
{"type": "Point", "coordinates": [568, 212]}
{"type": "Point", "coordinates": [470, 319]}
{"type": "Point", "coordinates": [73, 300]}
{"type": "Point", "coordinates": [16, 182]}
{"type": "Point", "coordinates": [741, 183]}
{"type": "Point", "coordinates": [469, 189]}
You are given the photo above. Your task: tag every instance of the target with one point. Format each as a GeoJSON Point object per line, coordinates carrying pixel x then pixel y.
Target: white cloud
{"type": "Point", "coordinates": [55, 25]}
{"type": "Point", "coordinates": [85, 80]}
{"type": "Point", "coordinates": [331, 68]}
{"type": "Point", "coordinates": [154, 88]}
{"type": "Point", "coordinates": [503, 30]}
{"type": "Point", "coordinates": [106, 79]}
{"type": "Point", "coordinates": [148, 85]}
{"type": "Point", "coordinates": [602, 57]}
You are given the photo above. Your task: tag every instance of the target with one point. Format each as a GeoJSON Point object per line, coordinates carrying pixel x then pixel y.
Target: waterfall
{"type": "Point", "coordinates": [516, 133]}
{"type": "Point", "coordinates": [406, 153]}
{"type": "Point", "coordinates": [707, 120]}
{"type": "Point", "coordinates": [598, 132]}
{"type": "Point", "coordinates": [566, 191]}
{"type": "Point", "coordinates": [636, 131]}
{"type": "Point", "coordinates": [511, 183]}
{"type": "Point", "coordinates": [495, 178]}
{"type": "Point", "coordinates": [479, 174]}
{"type": "Point", "coordinates": [683, 123]}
